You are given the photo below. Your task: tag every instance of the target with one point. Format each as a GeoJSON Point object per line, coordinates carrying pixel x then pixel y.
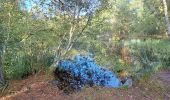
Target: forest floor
{"type": "Point", "coordinates": [39, 87]}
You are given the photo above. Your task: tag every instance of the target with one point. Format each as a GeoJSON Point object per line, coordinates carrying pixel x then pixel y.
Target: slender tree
{"type": "Point", "coordinates": [1, 70]}
{"type": "Point", "coordinates": [166, 17]}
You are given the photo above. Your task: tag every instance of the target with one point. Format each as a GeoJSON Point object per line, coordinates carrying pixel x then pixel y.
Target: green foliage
{"type": "Point", "coordinates": [150, 56]}
{"type": "Point", "coordinates": [31, 41]}
{"type": "Point", "coordinates": [20, 63]}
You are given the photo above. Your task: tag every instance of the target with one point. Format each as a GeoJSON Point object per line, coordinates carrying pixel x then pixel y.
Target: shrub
{"type": "Point", "coordinates": [83, 71]}
{"type": "Point", "coordinates": [149, 56]}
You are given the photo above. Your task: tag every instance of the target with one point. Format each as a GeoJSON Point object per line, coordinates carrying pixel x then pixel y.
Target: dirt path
{"type": "Point", "coordinates": [162, 79]}
{"type": "Point", "coordinates": [40, 88]}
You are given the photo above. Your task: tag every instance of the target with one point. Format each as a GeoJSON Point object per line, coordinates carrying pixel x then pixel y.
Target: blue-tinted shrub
{"type": "Point", "coordinates": [83, 71]}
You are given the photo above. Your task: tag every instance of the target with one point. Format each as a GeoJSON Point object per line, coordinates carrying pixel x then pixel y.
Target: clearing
{"type": "Point", "coordinates": [39, 87]}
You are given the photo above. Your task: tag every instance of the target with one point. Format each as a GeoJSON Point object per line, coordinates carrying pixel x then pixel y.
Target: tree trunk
{"type": "Point", "coordinates": [166, 17]}
{"type": "Point", "coordinates": [1, 72]}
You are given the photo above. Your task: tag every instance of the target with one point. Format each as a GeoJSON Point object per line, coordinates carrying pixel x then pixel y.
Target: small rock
{"type": "Point", "coordinates": [128, 82]}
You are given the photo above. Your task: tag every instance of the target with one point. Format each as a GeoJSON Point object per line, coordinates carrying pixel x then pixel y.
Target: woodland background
{"type": "Point", "coordinates": [131, 35]}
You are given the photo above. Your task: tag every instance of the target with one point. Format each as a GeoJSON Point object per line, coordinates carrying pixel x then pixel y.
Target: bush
{"type": "Point", "coordinates": [149, 56]}
{"type": "Point", "coordinates": [83, 71]}
{"type": "Point", "coordinates": [20, 64]}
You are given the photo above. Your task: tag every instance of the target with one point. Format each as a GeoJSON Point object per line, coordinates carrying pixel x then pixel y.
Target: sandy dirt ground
{"type": "Point", "coordinates": [39, 87]}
